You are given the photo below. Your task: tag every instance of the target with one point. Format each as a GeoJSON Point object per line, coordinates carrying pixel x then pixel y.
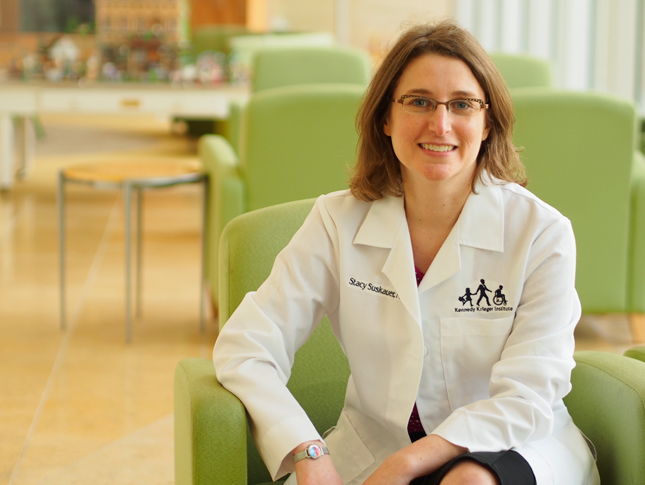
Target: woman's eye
{"type": "Point", "coordinates": [420, 102]}
{"type": "Point", "coordinates": [461, 105]}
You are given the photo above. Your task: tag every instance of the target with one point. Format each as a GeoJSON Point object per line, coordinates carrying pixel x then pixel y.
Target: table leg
{"type": "Point", "coordinates": [61, 247]}
{"type": "Point", "coordinates": [6, 151]}
{"type": "Point", "coordinates": [127, 195]}
{"type": "Point", "coordinates": [26, 142]}
{"type": "Point", "coordinates": [139, 249]}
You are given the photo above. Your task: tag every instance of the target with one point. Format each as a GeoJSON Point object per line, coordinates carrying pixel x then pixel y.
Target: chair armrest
{"type": "Point", "coordinates": [607, 403]}
{"type": "Point", "coordinates": [637, 353]}
{"type": "Point", "coordinates": [210, 428]}
{"type": "Point", "coordinates": [226, 197]}
{"type": "Point", "coordinates": [636, 302]}
{"type": "Point", "coordinates": [233, 123]}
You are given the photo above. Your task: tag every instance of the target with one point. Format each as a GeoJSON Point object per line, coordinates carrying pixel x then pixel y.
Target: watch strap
{"type": "Point", "coordinates": [311, 451]}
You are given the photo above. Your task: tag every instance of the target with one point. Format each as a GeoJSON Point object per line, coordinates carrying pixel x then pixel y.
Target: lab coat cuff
{"type": "Point", "coordinates": [459, 433]}
{"type": "Point", "coordinates": [276, 445]}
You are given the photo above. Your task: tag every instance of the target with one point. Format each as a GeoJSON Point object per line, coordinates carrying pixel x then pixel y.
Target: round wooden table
{"type": "Point", "coordinates": [128, 177]}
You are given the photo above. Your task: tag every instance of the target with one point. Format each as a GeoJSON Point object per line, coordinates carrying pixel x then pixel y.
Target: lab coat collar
{"type": "Point", "coordinates": [480, 225]}
{"type": "Point", "coordinates": [385, 226]}
{"type": "Point", "coordinates": [382, 223]}
{"type": "Point", "coordinates": [481, 222]}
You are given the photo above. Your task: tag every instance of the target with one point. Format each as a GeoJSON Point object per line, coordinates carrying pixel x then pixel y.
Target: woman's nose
{"type": "Point", "coordinates": [440, 120]}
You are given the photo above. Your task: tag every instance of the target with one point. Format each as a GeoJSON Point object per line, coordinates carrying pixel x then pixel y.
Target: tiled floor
{"type": "Point", "coordinates": [81, 406]}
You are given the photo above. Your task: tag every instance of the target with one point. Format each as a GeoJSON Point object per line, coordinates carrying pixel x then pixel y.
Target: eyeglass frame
{"type": "Point", "coordinates": [481, 102]}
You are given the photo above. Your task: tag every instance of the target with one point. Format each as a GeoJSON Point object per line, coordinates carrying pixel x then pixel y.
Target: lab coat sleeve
{"type": "Point", "coordinates": [535, 366]}
{"type": "Point", "coordinates": [255, 350]}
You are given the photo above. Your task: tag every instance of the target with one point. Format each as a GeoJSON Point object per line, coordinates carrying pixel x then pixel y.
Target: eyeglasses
{"type": "Point", "coordinates": [420, 105]}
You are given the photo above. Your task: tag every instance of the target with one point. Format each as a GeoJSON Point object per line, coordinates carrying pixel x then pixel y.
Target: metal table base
{"type": "Point", "coordinates": [128, 186]}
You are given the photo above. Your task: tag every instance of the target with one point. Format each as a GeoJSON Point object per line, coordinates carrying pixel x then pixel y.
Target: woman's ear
{"type": "Point", "coordinates": [486, 127]}
{"type": "Point", "coordinates": [386, 128]}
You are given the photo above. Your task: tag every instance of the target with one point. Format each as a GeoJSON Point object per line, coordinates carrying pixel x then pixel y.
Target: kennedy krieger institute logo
{"type": "Point", "coordinates": [499, 300]}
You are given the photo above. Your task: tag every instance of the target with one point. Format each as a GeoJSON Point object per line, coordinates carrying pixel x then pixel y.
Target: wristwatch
{"type": "Point", "coordinates": [311, 451]}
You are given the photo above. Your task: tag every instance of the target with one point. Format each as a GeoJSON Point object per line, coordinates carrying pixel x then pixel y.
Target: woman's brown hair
{"type": "Point", "coordinates": [377, 171]}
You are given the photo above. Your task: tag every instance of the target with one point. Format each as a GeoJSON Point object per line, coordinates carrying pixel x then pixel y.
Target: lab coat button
{"type": "Point", "coordinates": [425, 350]}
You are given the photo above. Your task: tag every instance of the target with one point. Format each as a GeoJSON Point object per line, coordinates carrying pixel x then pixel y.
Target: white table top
{"type": "Point", "coordinates": [120, 98]}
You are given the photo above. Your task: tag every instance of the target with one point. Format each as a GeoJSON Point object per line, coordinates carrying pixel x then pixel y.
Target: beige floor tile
{"type": "Point", "coordinates": [144, 456]}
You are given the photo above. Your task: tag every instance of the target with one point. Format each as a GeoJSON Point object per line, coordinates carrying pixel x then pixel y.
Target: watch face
{"type": "Point", "coordinates": [314, 451]}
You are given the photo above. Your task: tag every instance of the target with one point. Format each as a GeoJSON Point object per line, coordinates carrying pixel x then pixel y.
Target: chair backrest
{"type": "Point", "coordinates": [298, 142]}
{"type": "Point", "coordinates": [607, 402]}
{"type": "Point", "coordinates": [579, 151]}
{"type": "Point", "coordinates": [215, 38]}
{"type": "Point", "coordinates": [243, 47]}
{"type": "Point", "coordinates": [285, 66]}
{"type": "Point", "coordinates": [522, 71]}
{"type": "Point", "coordinates": [248, 248]}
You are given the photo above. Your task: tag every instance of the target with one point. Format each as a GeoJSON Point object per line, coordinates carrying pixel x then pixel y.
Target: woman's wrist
{"type": "Point", "coordinates": [305, 444]}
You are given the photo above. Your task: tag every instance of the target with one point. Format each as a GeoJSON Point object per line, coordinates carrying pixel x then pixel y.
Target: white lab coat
{"type": "Point", "coordinates": [488, 377]}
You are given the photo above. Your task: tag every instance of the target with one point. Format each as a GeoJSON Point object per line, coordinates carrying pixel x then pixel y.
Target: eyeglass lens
{"type": "Point", "coordinates": [422, 105]}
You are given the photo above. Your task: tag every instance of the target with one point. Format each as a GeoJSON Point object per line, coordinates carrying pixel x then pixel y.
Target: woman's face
{"type": "Point", "coordinates": [437, 146]}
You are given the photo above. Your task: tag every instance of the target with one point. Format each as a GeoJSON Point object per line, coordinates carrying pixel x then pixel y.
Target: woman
{"type": "Point", "coordinates": [439, 392]}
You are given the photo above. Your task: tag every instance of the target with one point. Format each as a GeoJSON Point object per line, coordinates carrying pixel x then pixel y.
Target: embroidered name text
{"type": "Point", "coordinates": [376, 289]}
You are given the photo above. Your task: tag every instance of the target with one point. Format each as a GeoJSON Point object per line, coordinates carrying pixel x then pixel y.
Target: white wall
{"type": "Point", "coordinates": [369, 24]}
{"type": "Point", "coordinates": [592, 44]}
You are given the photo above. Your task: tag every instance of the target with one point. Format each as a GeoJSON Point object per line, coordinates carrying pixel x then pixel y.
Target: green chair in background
{"type": "Point", "coordinates": [523, 71]}
{"type": "Point", "coordinates": [277, 67]}
{"type": "Point", "coordinates": [637, 353]}
{"type": "Point", "coordinates": [244, 47]}
{"type": "Point", "coordinates": [297, 142]}
{"type": "Point", "coordinates": [212, 441]}
{"type": "Point", "coordinates": [215, 38]}
{"type": "Point", "coordinates": [273, 67]}
{"type": "Point", "coordinates": [581, 157]}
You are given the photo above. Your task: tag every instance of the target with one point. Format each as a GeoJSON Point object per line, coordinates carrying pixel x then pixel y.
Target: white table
{"type": "Point", "coordinates": [129, 177]}
{"type": "Point", "coordinates": [20, 101]}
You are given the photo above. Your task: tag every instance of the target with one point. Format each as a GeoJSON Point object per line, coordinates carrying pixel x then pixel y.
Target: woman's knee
{"type": "Point", "coordinates": [469, 472]}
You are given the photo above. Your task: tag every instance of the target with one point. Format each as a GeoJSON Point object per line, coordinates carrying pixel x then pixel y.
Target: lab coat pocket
{"type": "Point", "coordinates": [469, 349]}
{"type": "Point", "coordinates": [347, 450]}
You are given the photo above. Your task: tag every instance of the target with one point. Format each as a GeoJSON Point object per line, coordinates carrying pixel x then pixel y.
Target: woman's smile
{"type": "Point", "coordinates": [437, 148]}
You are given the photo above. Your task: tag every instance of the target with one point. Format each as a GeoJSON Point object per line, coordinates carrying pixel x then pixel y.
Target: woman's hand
{"type": "Point", "coordinates": [319, 471]}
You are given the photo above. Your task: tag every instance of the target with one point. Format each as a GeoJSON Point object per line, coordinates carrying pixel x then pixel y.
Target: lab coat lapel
{"type": "Point", "coordinates": [480, 225]}
{"type": "Point", "coordinates": [385, 226]}
{"type": "Point", "coordinates": [446, 263]}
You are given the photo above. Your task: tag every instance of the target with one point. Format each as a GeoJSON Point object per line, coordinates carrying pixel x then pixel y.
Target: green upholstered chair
{"type": "Point", "coordinates": [243, 47]}
{"type": "Point", "coordinates": [297, 142]}
{"type": "Point", "coordinates": [273, 67]}
{"type": "Point", "coordinates": [212, 442]}
{"type": "Point", "coordinates": [277, 67]}
{"type": "Point", "coordinates": [523, 71]}
{"type": "Point", "coordinates": [215, 37]}
{"type": "Point", "coordinates": [581, 157]}
{"type": "Point", "coordinates": [607, 403]}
